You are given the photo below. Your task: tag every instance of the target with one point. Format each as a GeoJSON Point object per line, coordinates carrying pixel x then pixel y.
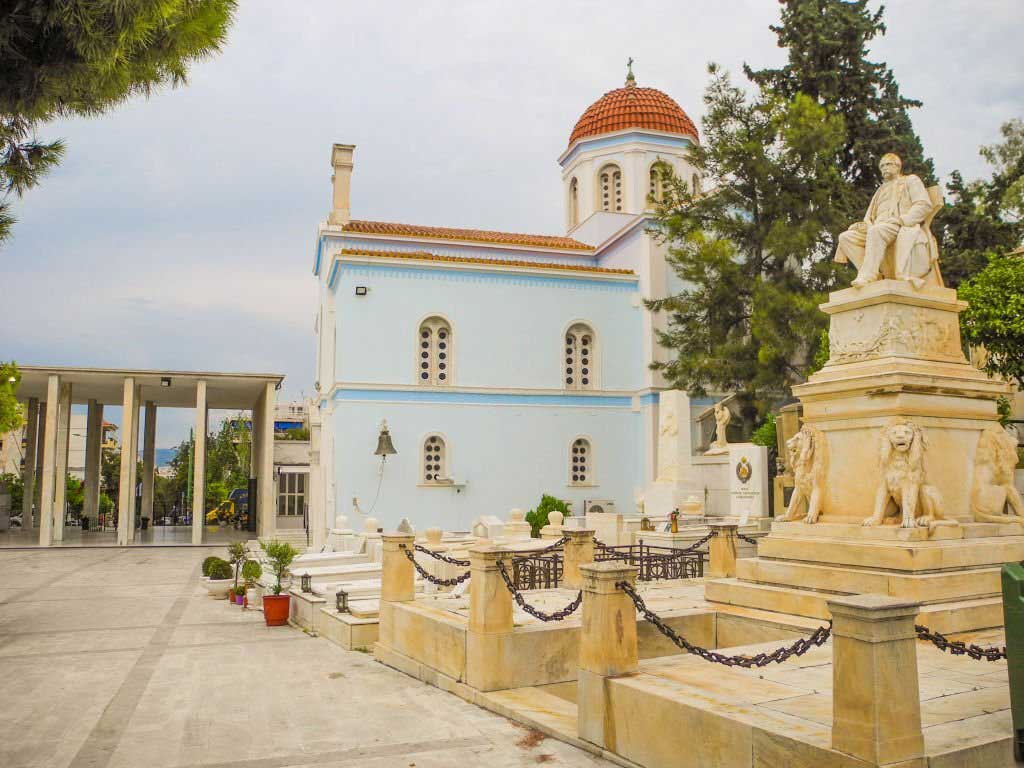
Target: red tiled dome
{"type": "Point", "coordinates": [633, 107]}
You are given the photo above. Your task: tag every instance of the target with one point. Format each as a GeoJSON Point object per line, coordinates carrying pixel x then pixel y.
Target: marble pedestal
{"type": "Point", "coordinates": [953, 572]}
{"type": "Point", "coordinates": [895, 352]}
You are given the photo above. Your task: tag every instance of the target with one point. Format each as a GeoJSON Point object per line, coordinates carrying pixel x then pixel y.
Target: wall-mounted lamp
{"type": "Point", "coordinates": [165, 381]}
{"type": "Point", "coordinates": [362, 290]}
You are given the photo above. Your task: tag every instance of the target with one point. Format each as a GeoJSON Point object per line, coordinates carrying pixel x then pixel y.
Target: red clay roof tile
{"type": "Point", "coordinates": [474, 235]}
{"type": "Point", "coordinates": [633, 107]}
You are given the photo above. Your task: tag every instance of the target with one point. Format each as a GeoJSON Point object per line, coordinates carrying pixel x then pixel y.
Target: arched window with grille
{"type": "Point", "coordinates": [434, 461]}
{"type": "Point", "coordinates": [434, 352]}
{"type": "Point", "coordinates": [574, 203]}
{"type": "Point", "coordinates": [581, 462]}
{"type": "Point", "coordinates": [580, 360]}
{"type": "Point", "coordinates": [609, 188]}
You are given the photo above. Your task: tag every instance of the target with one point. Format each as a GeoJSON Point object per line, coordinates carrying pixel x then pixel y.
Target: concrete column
{"type": "Point", "coordinates": [125, 486]}
{"type": "Point", "coordinates": [199, 466]}
{"type": "Point", "coordinates": [137, 401]}
{"type": "Point", "coordinates": [314, 484]}
{"type": "Point", "coordinates": [579, 550]}
{"type": "Point", "coordinates": [267, 507]}
{"type": "Point", "coordinates": [149, 461]}
{"type": "Point", "coordinates": [28, 476]}
{"type": "Point", "coordinates": [60, 491]}
{"type": "Point", "coordinates": [49, 463]}
{"type": "Point", "coordinates": [39, 461]}
{"type": "Point", "coordinates": [876, 701]}
{"type": "Point", "coordinates": [608, 646]}
{"type": "Point", "coordinates": [722, 550]}
{"type": "Point", "coordinates": [93, 460]}
{"type": "Point", "coordinates": [397, 574]}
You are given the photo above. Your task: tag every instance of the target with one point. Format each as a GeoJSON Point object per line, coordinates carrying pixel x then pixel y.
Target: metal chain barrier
{"type": "Point", "coordinates": [558, 615]}
{"type": "Point", "coordinates": [959, 648]}
{"type": "Point", "coordinates": [799, 648]}
{"type": "Point", "coordinates": [526, 553]}
{"type": "Point", "coordinates": [439, 556]}
{"type": "Point", "coordinates": [429, 576]}
{"type": "Point", "coordinates": [674, 555]}
{"type": "Point", "coordinates": [748, 539]}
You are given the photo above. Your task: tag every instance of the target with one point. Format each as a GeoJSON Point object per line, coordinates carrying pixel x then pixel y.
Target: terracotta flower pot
{"type": "Point", "coordinates": [275, 609]}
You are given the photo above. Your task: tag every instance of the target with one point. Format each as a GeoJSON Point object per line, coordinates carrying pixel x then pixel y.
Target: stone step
{"type": "Point", "coordinates": [967, 584]}
{"type": "Point", "coordinates": [930, 555]}
{"type": "Point", "coordinates": [324, 574]}
{"type": "Point", "coordinates": [329, 559]}
{"type": "Point", "coordinates": [945, 617]}
{"type": "Point", "coordinates": [892, 533]}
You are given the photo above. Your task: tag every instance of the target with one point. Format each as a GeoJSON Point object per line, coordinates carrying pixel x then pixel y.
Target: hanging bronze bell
{"type": "Point", "coordinates": [384, 445]}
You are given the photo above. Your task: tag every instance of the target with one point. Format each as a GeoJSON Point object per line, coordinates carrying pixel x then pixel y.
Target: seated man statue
{"type": "Point", "coordinates": [900, 213]}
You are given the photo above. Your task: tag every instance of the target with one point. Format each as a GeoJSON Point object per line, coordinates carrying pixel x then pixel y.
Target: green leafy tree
{"type": "Point", "coordinates": [752, 255]}
{"type": "Point", "coordinates": [995, 318]}
{"type": "Point", "coordinates": [538, 518]}
{"type": "Point", "coordinates": [826, 42]}
{"type": "Point", "coordinates": [15, 487]}
{"type": "Point", "coordinates": [74, 494]}
{"type": "Point", "coordinates": [11, 413]}
{"type": "Point", "coordinates": [64, 58]}
{"type": "Point", "coordinates": [983, 218]}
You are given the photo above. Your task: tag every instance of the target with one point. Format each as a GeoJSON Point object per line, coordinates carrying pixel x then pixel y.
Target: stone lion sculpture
{"type": "Point", "coordinates": [993, 488]}
{"type": "Point", "coordinates": [902, 491]}
{"type": "Point", "coordinates": [808, 456]}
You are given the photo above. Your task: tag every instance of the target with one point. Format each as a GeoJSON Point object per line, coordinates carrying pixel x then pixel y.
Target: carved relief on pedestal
{"type": "Point", "coordinates": [903, 493]}
{"type": "Point", "coordinates": [993, 489]}
{"type": "Point", "coordinates": [901, 331]}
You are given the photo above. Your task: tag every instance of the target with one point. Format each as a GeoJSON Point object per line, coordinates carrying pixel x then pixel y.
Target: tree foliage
{"type": "Point", "coordinates": [12, 414]}
{"type": "Point", "coordinates": [63, 58]}
{"type": "Point", "coordinates": [751, 254]}
{"type": "Point", "coordinates": [826, 42]}
{"type": "Point", "coordinates": [995, 318]}
{"type": "Point", "coordinates": [985, 217]}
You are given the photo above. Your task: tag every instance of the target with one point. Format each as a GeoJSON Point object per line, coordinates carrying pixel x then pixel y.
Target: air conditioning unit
{"type": "Point", "coordinates": [597, 506]}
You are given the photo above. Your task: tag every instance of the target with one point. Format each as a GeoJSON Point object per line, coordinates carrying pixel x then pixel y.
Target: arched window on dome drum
{"type": "Point", "coordinates": [580, 364]}
{"type": "Point", "coordinates": [609, 188]}
{"type": "Point", "coordinates": [658, 187]}
{"type": "Point", "coordinates": [581, 463]}
{"type": "Point", "coordinates": [434, 352]}
{"type": "Point", "coordinates": [434, 461]}
{"type": "Point", "coordinates": [574, 203]}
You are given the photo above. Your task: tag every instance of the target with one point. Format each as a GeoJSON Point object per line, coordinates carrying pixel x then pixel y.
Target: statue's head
{"type": "Point", "coordinates": [890, 166]}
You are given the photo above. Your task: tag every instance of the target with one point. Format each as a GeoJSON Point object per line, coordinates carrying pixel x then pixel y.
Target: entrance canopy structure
{"type": "Point", "coordinates": [49, 392]}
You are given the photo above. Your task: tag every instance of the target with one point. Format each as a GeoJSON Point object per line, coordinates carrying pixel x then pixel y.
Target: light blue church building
{"type": "Point", "coordinates": [505, 365]}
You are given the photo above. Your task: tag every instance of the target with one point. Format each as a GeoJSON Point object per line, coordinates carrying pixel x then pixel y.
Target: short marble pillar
{"type": "Point", "coordinates": [722, 549]}
{"type": "Point", "coordinates": [397, 573]}
{"type": "Point", "coordinates": [608, 646]}
{"type": "Point", "coordinates": [490, 602]}
{"type": "Point", "coordinates": [876, 700]}
{"type": "Point", "coordinates": [579, 550]}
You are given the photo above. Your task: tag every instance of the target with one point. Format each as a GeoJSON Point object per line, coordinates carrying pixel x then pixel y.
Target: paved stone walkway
{"type": "Point", "coordinates": [116, 658]}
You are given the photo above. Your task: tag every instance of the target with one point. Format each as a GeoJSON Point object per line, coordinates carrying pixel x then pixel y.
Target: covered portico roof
{"type": "Point", "coordinates": [106, 385]}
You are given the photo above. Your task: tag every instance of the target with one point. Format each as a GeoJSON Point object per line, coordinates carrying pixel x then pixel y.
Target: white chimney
{"type": "Point", "coordinates": [341, 162]}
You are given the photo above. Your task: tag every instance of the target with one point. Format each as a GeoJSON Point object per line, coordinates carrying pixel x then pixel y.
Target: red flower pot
{"type": "Point", "coordinates": [275, 609]}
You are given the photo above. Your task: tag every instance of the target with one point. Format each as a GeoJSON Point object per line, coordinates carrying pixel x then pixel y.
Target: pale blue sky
{"type": "Point", "coordinates": [179, 231]}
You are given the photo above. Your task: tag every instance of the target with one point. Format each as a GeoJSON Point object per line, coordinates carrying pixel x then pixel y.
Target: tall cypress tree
{"type": "Point", "coordinates": [827, 43]}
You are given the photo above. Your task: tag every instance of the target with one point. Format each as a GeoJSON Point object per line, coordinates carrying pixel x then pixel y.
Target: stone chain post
{"type": "Point", "coordinates": [579, 550]}
{"type": "Point", "coordinates": [490, 602]}
{"type": "Point", "coordinates": [608, 646]}
{"type": "Point", "coordinates": [876, 699]}
{"type": "Point", "coordinates": [722, 549]}
{"type": "Point", "coordinates": [397, 574]}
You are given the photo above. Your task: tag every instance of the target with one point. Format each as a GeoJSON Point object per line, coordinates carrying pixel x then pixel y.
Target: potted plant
{"type": "Point", "coordinates": [251, 573]}
{"type": "Point", "coordinates": [238, 593]}
{"type": "Point", "coordinates": [237, 557]}
{"type": "Point", "coordinates": [218, 583]}
{"type": "Point", "coordinates": [280, 555]}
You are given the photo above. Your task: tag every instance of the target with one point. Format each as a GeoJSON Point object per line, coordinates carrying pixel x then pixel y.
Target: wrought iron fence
{"type": "Point", "coordinates": [654, 562]}
{"type": "Point", "coordinates": [536, 571]}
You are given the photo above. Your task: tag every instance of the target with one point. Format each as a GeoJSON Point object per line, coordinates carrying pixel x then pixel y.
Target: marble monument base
{"type": "Point", "coordinates": [952, 571]}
